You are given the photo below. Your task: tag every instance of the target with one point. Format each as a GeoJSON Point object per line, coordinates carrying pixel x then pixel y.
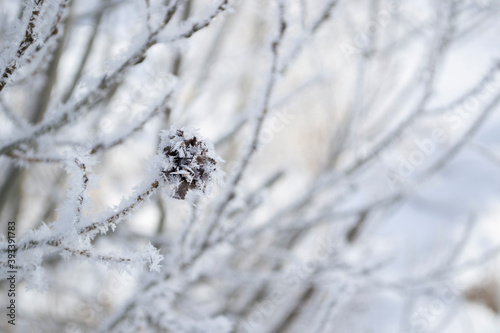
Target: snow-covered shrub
{"type": "Point", "coordinates": [249, 165]}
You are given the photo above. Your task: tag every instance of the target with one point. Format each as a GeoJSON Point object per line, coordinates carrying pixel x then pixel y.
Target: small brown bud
{"type": "Point", "coordinates": [190, 162]}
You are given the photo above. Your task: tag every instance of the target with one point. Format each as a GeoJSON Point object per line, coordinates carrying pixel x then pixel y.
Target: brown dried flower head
{"type": "Point", "coordinates": [189, 162]}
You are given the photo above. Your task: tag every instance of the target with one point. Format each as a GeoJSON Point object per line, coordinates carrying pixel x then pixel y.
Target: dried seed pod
{"type": "Point", "coordinates": [189, 161]}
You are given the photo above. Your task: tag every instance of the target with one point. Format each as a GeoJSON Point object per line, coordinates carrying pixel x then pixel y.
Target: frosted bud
{"type": "Point", "coordinates": [189, 161]}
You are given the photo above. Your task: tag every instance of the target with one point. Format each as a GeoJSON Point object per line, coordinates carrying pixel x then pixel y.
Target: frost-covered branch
{"type": "Point", "coordinates": [30, 37]}
{"type": "Point", "coordinates": [74, 110]}
{"type": "Point", "coordinates": [252, 147]}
